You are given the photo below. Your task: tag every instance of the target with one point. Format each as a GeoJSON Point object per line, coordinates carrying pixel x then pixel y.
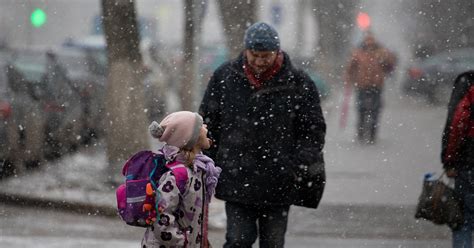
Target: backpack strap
{"type": "Point", "coordinates": [156, 165]}
{"type": "Point", "coordinates": [180, 173]}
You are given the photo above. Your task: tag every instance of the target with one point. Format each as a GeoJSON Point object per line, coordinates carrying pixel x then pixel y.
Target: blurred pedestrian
{"type": "Point", "coordinates": [183, 216]}
{"type": "Point", "coordinates": [458, 152]}
{"type": "Point", "coordinates": [268, 129]}
{"type": "Point", "coordinates": [367, 69]}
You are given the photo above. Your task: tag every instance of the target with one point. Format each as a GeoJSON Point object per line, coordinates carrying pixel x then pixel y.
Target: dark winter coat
{"type": "Point", "coordinates": [269, 141]}
{"type": "Point", "coordinates": [458, 141]}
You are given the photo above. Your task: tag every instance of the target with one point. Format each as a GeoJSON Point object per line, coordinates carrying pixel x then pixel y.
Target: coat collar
{"type": "Point", "coordinates": [287, 69]}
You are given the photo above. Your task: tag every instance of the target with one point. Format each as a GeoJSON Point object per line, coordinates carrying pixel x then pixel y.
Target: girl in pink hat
{"type": "Point", "coordinates": [183, 215]}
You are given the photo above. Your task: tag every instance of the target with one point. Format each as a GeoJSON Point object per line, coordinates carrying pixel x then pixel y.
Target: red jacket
{"type": "Point", "coordinates": [458, 136]}
{"type": "Point", "coordinates": [368, 67]}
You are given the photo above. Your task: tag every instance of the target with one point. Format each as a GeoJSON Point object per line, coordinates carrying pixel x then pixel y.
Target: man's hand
{"type": "Point", "coordinates": [451, 172]}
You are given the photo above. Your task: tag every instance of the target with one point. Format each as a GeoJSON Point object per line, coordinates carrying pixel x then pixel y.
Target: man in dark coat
{"type": "Point", "coordinates": [265, 119]}
{"type": "Point", "coordinates": [457, 152]}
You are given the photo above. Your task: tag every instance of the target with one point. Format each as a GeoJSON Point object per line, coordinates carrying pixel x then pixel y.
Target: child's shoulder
{"type": "Point", "coordinates": [178, 175]}
{"type": "Point", "coordinates": [167, 176]}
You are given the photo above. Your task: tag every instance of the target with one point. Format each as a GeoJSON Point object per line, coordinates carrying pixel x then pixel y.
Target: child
{"type": "Point", "coordinates": [183, 214]}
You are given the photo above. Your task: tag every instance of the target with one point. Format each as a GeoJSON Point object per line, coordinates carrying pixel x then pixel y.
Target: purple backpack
{"type": "Point", "coordinates": [136, 198]}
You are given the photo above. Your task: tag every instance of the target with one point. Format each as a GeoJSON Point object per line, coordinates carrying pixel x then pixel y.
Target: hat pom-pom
{"type": "Point", "coordinates": [156, 130]}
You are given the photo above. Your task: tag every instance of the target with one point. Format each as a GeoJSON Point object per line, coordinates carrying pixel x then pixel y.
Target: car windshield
{"type": "Point", "coordinates": [31, 65]}
{"type": "Point", "coordinates": [99, 58]}
{"type": "Point", "coordinates": [74, 62]}
{"type": "Point", "coordinates": [465, 56]}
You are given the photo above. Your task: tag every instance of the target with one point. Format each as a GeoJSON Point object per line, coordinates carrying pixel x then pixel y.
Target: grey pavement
{"type": "Point", "coordinates": [30, 227]}
{"type": "Point", "coordinates": [370, 194]}
{"type": "Point", "coordinates": [391, 171]}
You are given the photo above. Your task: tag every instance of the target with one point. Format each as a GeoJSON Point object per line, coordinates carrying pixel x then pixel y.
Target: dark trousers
{"type": "Point", "coordinates": [246, 222]}
{"type": "Point", "coordinates": [462, 238]}
{"type": "Point", "coordinates": [369, 104]}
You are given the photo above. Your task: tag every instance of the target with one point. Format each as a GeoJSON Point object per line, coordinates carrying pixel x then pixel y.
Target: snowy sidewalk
{"type": "Point", "coordinates": [75, 182]}
{"type": "Point", "coordinates": [384, 176]}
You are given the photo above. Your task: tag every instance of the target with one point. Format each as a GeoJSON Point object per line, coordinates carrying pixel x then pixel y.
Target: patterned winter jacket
{"type": "Point", "coordinates": [182, 221]}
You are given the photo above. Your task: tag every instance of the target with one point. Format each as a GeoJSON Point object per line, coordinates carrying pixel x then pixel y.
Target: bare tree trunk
{"type": "Point", "coordinates": [440, 24]}
{"type": "Point", "coordinates": [335, 20]}
{"type": "Point", "coordinates": [193, 14]}
{"type": "Point", "coordinates": [449, 20]}
{"type": "Point", "coordinates": [186, 90]}
{"type": "Point", "coordinates": [236, 17]}
{"type": "Point", "coordinates": [300, 35]}
{"type": "Point", "coordinates": [126, 123]}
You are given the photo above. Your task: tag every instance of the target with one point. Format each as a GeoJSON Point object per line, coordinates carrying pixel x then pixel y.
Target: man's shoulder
{"type": "Point", "coordinates": [229, 65]}
{"type": "Point", "coordinates": [299, 75]}
{"type": "Point", "coordinates": [290, 70]}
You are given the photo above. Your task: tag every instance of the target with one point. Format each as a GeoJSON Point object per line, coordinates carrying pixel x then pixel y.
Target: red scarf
{"type": "Point", "coordinates": [257, 81]}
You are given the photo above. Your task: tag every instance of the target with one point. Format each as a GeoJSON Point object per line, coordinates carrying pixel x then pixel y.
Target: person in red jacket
{"type": "Point", "coordinates": [457, 154]}
{"type": "Point", "coordinates": [367, 69]}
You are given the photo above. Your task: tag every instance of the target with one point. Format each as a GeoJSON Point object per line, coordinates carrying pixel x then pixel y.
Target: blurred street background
{"type": "Point", "coordinates": [369, 200]}
{"type": "Point", "coordinates": [81, 79]}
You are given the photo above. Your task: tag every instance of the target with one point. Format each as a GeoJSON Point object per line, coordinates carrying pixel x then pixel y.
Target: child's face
{"type": "Point", "coordinates": [204, 142]}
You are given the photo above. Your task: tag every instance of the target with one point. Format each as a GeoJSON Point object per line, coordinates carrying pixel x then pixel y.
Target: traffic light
{"type": "Point", "coordinates": [38, 18]}
{"type": "Point", "coordinates": [363, 20]}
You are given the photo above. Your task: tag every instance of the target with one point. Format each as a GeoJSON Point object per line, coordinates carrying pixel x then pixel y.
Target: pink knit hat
{"type": "Point", "coordinates": [180, 129]}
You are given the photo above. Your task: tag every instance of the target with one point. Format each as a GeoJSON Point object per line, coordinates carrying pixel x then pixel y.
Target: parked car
{"type": "Point", "coordinates": [86, 76]}
{"type": "Point", "coordinates": [433, 77]}
{"type": "Point", "coordinates": [6, 161]}
{"type": "Point", "coordinates": [94, 48]}
{"type": "Point", "coordinates": [49, 105]}
{"type": "Point", "coordinates": [26, 121]}
{"type": "Point", "coordinates": [48, 102]}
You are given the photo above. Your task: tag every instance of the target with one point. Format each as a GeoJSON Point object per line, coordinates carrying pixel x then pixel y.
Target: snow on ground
{"type": "Point", "coordinates": [60, 242]}
{"type": "Point", "coordinates": [74, 177]}
{"type": "Point", "coordinates": [388, 173]}
{"type": "Point", "coordinates": [80, 178]}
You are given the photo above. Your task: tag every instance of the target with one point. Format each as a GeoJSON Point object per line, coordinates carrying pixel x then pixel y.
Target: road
{"type": "Point", "coordinates": [329, 226]}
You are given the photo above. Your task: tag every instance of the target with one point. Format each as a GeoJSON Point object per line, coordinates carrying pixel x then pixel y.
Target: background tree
{"type": "Point", "coordinates": [301, 7]}
{"type": "Point", "coordinates": [236, 17]}
{"type": "Point", "coordinates": [335, 20]}
{"type": "Point", "coordinates": [448, 21]}
{"type": "Point", "coordinates": [440, 25]}
{"type": "Point", "coordinates": [125, 119]}
{"type": "Point", "coordinates": [191, 23]}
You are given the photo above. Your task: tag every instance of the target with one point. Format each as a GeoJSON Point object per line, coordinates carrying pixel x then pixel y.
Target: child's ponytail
{"type": "Point", "coordinates": [189, 156]}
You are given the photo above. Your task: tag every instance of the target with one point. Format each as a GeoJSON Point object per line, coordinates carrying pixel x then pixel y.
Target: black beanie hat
{"type": "Point", "coordinates": [261, 37]}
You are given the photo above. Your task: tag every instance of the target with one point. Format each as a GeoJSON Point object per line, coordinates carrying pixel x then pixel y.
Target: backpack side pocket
{"type": "Point", "coordinates": [135, 198]}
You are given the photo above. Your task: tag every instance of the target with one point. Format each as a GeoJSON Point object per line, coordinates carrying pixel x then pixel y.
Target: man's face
{"type": "Point", "coordinates": [260, 61]}
{"type": "Point", "coordinates": [369, 41]}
